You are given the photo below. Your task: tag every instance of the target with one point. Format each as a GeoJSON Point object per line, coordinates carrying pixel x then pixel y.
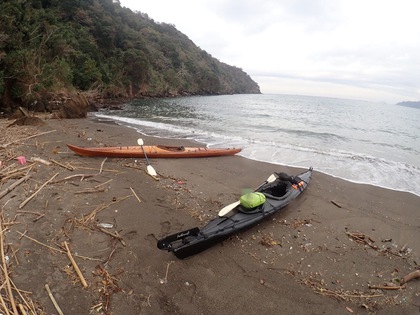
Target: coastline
{"type": "Point", "coordinates": [367, 237]}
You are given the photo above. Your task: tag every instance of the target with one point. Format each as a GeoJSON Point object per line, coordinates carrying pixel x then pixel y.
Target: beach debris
{"type": "Point", "coordinates": [37, 159]}
{"type": "Point", "coordinates": [404, 248]}
{"type": "Point", "coordinates": [267, 240]}
{"type": "Point", "coordinates": [75, 266]}
{"type": "Point", "coordinates": [165, 280]}
{"type": "Point", "coordinates": [6, 281]}
{"type": "Point", "coordinates": [319, 287]}
{"type": "Point", "coordinates": [299, 222]}
{"type": "Point", "coordinates": [115, 235]}
{"type": "Point", "coordinates": [53, 248]}
{"type": "Point", "coordinates": [336, 204]}
{"type": "Point", "coordinates": [51, 296]}
{"type": "Point", "coordinates": [21, 160]}
{"type": "Point", "coordinates": [362, 239]}
{"type": "Point", "coordinates": [3, 146]}
{"type": "Point", "coordinates": [67, 167]}
{"type": "Point", "coordinates": [36, 192]}
{"type": "Point", "coordinates": [14, 185]}
{"type": "Point", "coordinates": [135, 195]}
{"type": "Point", "coordinates": [411, 276]}
{"type": "Point", "coordinates": [105, 225]}
{"type": "Point", "coordinates": [108, 286]}
{"type": "Point", "coordinates": [387, 286]}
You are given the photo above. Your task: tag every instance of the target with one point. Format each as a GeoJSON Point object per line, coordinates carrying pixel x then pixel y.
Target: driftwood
{"type": "Point", "coordinates": [411, 276]}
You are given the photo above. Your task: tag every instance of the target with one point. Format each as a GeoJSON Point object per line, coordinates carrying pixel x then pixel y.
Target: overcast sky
{"type": "Point", "coordinates": [357, 49]}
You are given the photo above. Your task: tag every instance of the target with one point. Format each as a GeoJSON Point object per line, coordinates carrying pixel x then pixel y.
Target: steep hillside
{"type": "Point", "coordinates": [50, 49]}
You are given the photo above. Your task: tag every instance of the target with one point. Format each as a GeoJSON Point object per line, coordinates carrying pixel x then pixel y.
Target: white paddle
{"type": "Point", "coordinates": [149, 169]}
{"type": "Point", "coordinates": [232, 206]}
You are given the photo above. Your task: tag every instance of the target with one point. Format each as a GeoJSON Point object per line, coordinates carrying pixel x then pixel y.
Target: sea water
{"type": "Point", "coordinates": [363, 142]}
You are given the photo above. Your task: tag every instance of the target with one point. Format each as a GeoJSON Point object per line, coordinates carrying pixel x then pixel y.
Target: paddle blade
{"type": "Point", "coordinates": [140, 141]}
{"type": "Point", "coordinates": [228, 208]}
{"type": "Point", "coordinates": [151, 171]}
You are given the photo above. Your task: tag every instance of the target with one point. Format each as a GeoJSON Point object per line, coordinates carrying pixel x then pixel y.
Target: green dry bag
{"type": "Point", "coordinates": [252, 200]}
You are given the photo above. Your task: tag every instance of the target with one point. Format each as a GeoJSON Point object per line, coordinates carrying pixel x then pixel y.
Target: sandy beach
{"type": "Point", "coordinates": [341, 248]}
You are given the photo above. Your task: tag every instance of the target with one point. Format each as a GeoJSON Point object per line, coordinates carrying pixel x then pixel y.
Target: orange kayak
{"type": "Point", "coordinates": [153, 151]}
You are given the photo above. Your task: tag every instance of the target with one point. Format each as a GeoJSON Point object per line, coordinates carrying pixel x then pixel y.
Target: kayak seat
{"type": "Point", "coordinates": [277, 190]}
{"type": "Point", "coordinates": [171, 148]}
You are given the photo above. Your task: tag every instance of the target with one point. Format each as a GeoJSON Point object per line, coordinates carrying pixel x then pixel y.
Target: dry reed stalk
{"type": "Point", "coordinates": [57, 307]}
{"type": "Point", "coordinates": [14, 185]}
{"type": "Point", "coordinates": [22, 309]}
{"type": "Point", "coordinates": [83, 176]}
{"type": "Point", "coordinates": [27, 138]}
{"type": "Point", "coordinates": [3, 303]}
{"type": "Point", "coordinates": [89, 218]}
{"type": "Point", "coordinates": [89, 191]}
{"type": "Point", "coordinates": [135, 195]}
{"type": "Point", "coordinates": [5, 271]}
{"type": "Point", "coordinates": [75, 266]}
{"type": "Point", "coordinates": [55, 249]}
{"type": "Point", "coordinates": [99, 185]}
{"type": "Point", "coordinates": [35, 193]}
{"type": "Point", "coordinates": [70, 168]}
{"type": "Point", "coordinates": [114, 235]}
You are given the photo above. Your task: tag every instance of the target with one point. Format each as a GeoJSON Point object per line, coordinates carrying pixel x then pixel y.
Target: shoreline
{"type": "Point", "coordinates": [367, 238]}
{"type": "Point", "coordinates": [195, 143]}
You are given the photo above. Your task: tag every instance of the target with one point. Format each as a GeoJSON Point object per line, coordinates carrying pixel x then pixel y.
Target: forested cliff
{"type": "Point", "coordinates": [50, 49]}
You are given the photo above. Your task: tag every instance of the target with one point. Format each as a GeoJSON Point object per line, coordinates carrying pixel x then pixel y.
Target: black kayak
{"type": "Point", "coordinates": [279, 190]}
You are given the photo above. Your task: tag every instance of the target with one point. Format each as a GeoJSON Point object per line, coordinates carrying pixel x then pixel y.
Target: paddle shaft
{"type": "Point", "coordinates": [145, 155]}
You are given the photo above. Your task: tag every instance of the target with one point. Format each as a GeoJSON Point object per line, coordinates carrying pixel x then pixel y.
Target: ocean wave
{"type": "Point", "coordinates": [333, 136]}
